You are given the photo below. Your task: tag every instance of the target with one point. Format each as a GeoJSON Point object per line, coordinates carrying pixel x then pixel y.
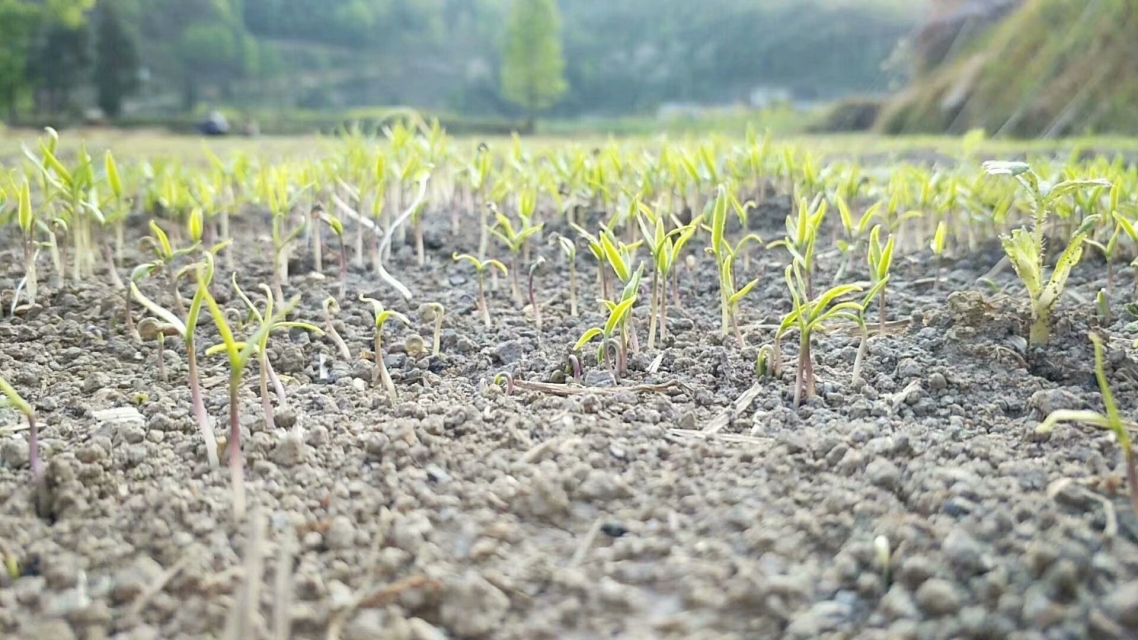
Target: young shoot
{"type": "Point", "coordinates": [152, 329]}
{"type": "Point", "coordinates": [515, 240]}
{"type": "Point", "coordinates": [569, 248]}
{"type": "Point", "coordinates": [381, 317]}
{"type": "Point", "coordinates": [725, 254]}
{"type": "Point", "coordinates": [1025, 248]}
{"type": "Point", "coordinates": [25, 216]}
{"type": "Point", "coordinates": [434, 312]}
{"type": "Point", "coordinates": [807, 316]}
{"type": "Point", "coordinates": [331, 308]}
{"type": "Point", "coordinates": [1112, 421]}
{"type": "Point", "coordinates": [610, 336]}
{"type": "Point", "coordinates": [533, 303]}
{"type": "Point", "coordinates": [266, 324]}
{"type": "Point", "coordinates": [13, 399]}
{"type": "Point", "coordinates": [239, 354]}
{"type": "Point", "coordinates": [938, 245]}
{"type": "Point", "coordinates": [185, 329]}
{"type": "Point", "coordinates": [880, 260]}
{"type": "Point", "coordinates": [480, 268]}
{"type": "Point", "coordinates": [665, 247]}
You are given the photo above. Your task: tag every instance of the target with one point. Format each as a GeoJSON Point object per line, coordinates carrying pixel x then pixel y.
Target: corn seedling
{"type": "Point", "coordinates": [266, 324]}
{"type": "Point", "coordinates": [12, 398]}
{"type": "Point", "coordinates": [610, 334]}
{"type": "Point", "coordinates": [480, 268]}
{"type": "Point", "coordinates": [725, 255]}
{"type": "Point", "coordinates": [807, 316]}
{"type": "Point", "coordinates": [1025, 249]}
{"type": "Point", "coordinates": [331, 308]}
{"type": "Point", "coordinates": [802, 238]}
{"type": "Point", "coordinates": [666, 248]}
{"type": "Point", "coordinates": [1111, 421]}
{"type": "Point", "coordinates": [433, 312]}
{"type": "Point", "coordinates": [880, 260]}
{"type": "Point", "coordinates": [280, 197]}
{"type": "Point", "coordinates": [569, 248]}
{"type": "Point", "coordinates": [185, 329]}
{"type": "Point", "coordinates": [515, 240]}
{"type": "Point", "coordinates": [938, 245]}
{"type": "Point", "coordinates": [25, 216]}
{"type": "Point", "coordinates": [238, 354]}
{"type": "Point", "coordinates": [381, 316]}
{"type": "Point", "coordinates": [533, 303]}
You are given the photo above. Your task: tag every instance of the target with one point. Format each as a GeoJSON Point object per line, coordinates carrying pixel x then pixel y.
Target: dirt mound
{"type": "Point", "coordinates": [1049, 68]}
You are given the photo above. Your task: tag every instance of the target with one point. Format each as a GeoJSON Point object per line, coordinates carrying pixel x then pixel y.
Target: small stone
{"type": "Point", "coordinates": [898, 603]}
{"type": "Point", "coordinates": [15, 452]}
{"type": "Point", "coordinates": [909, 368]}
{"type": "Point", "coordinates": [291, 360]}
{"type": "Point", "coordinates": [852, 462]}
{"type": "Point", "coordinates": [937, 382]}
{"type": "Point", "coordinates": [285, 418]}
{"type": "Point", "coordinates": [423, 630]}
{"type": "Point", "coordinates": [598, 378]}
{"type": "Point", "coordinates": [130, 581]}
{"type": "Point", "coordinates": [290, 450]}
{"type": "Point", "coordinates": [823, 617]}
{"type": "Point", "coordinates": [472, 607]}
{"type": "Point", "coordinates": [1050, 400]}
{"type": "Point", "coordinates": [965, 553]}
{"type": "Point", "coordinates": [341, 533]}
{"type": "Point", "coordinates": [938, 597]}
{"type": "Point", "coordinates": [1038, 610]}
{"type": "Point", "coordinates": [508, 352]}
{"type": "Point", "coordinates": [1122, 605]}
{"type": "Point", "coordinates": [883, 473]}
{"type": "Point", "coordinates": [54, 629]}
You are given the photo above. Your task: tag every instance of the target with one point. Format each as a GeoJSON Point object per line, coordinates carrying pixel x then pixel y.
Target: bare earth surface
{"type": "Point", "coordinates": [464, 512]}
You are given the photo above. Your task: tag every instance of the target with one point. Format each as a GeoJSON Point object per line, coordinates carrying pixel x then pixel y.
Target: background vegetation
{"type": "Point", "coordinates": [621, 57]}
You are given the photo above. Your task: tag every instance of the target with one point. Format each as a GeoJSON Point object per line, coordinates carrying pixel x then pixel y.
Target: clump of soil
{"type": "Point", "coordinates": [913, 503]}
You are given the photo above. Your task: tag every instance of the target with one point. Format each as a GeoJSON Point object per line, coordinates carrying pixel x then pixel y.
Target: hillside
{"type": "Point", "coordinates": [1050, 67]}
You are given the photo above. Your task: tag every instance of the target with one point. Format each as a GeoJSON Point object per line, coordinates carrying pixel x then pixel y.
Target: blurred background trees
{"type": "Point", "coordinates": [619, 56]}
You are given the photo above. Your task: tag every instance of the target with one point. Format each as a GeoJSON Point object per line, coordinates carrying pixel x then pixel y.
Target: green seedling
{"type": "Point", "coordinates": [381, 317]}
{"type": "Point", "coordinates": [1111, 421]}
{"type": "Point", "coordinates": [25, 216]}
{"type": "Point", "coordinates": [665, 247]}
{"type": "Point", "coordinates": [1119, 226]}
{"type": "Point", "coordinates": [433, 312]}
{"type": "Point", "coordinates": [480, 268]}
{"type": "Point", "coordinates": [807, 316]}
{"type": "Point", "coordinates": [1025, 248]}
{"type": "Point", "coordinates": [725, 254]}
{"type": "Point", "coordinates": [569, 248]}
{"type": "Point", "coordinates": [267, 323]}
{"type": "Point", "coordinates": [165, 261]}
{"type": "Point", "coordinates": [618, 314]}
{"type": "Point", "coordinates": [802, 238]}
{"type": "Point", "coordinates": [185, 329]}
{"type": "Point", "coordinates": [331, 308]}
{"type": "Point", "coordinates": [533, 303]}
{"type": "Point", "coordinates": [938, 246]}
{"type": "Point", "coordinates": [1102, 309]}
{"type": "Point", "coordinates": [880, 261]}
{"type": "Point", "coordinates": [238, 354]}
{"type": "Point", "coordinates": [337, 228]}
{"type": "Point", "coordinates": [863, 324]}
{"type": "Point", "coordinates": [12, 398]}
{"type": "Point", "coordinates": [514, 239]}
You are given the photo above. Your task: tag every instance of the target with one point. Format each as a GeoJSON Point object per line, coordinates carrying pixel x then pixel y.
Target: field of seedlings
{"type": "Point", "coordinates": [414, 387]}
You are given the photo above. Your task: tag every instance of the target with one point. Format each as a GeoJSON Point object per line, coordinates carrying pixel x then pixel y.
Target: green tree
{"type": "Point", "coordinates": [17, 23]}
{"type": "Point", "coordinates": [116, 60]}
{"type": "Point", "coordinates": [533, 67]}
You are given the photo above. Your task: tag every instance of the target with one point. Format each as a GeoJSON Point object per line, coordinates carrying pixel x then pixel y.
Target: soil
{"type": "Point", "coordinates": [914, 503]}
